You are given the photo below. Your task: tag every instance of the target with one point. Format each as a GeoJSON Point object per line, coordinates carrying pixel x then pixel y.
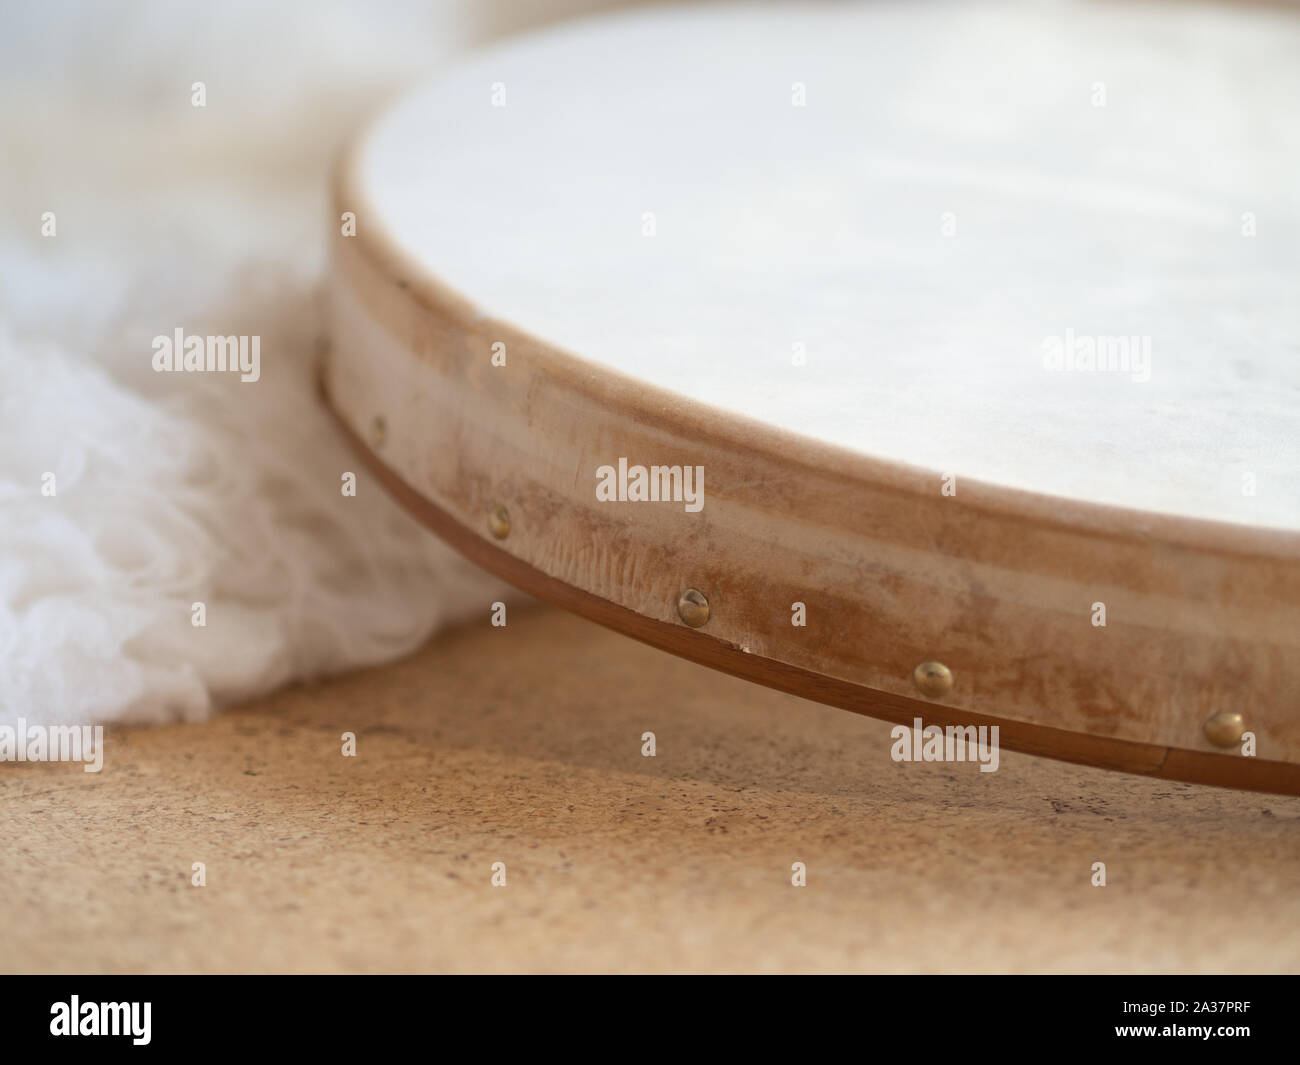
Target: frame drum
{"type": "Point", "coordinates": [936, 362]}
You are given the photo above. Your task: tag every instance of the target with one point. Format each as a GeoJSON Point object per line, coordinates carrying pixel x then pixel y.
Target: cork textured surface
{"type": "Point", "coordinates": [522, 745]}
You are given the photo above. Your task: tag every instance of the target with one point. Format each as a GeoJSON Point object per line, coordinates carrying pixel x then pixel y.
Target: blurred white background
{"type": "Point", "coordinates": [176, 489]}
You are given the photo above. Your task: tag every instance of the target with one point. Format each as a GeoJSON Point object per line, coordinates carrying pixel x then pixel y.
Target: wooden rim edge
{"type": "Point", "coordinates": [1164, 762]}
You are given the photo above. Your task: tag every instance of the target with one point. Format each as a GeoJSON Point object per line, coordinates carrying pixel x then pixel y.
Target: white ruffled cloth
{"type": "Point", "coordinates": [176, 489]}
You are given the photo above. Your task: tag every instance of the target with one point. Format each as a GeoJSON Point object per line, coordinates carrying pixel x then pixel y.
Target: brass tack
{"type": "Point", "coordinates": [932, 678]}
{"type": "Point", "coordinates": [499, 521]}
{"type": "Point", "coordinates": [693, 607]}
{"type": "Point", "coordinates": [1224, 729]}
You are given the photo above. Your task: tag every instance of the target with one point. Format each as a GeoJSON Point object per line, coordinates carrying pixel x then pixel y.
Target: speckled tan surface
{"type": "Point", "coordinates": [522, 745]}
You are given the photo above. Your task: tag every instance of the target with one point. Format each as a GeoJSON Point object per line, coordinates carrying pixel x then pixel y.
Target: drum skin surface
{"type": "Point", "coordinates": [861, 316]}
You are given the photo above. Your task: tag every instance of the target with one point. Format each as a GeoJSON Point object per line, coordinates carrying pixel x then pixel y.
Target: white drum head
{"type": "Point", "coordinates": [1053, 248]}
